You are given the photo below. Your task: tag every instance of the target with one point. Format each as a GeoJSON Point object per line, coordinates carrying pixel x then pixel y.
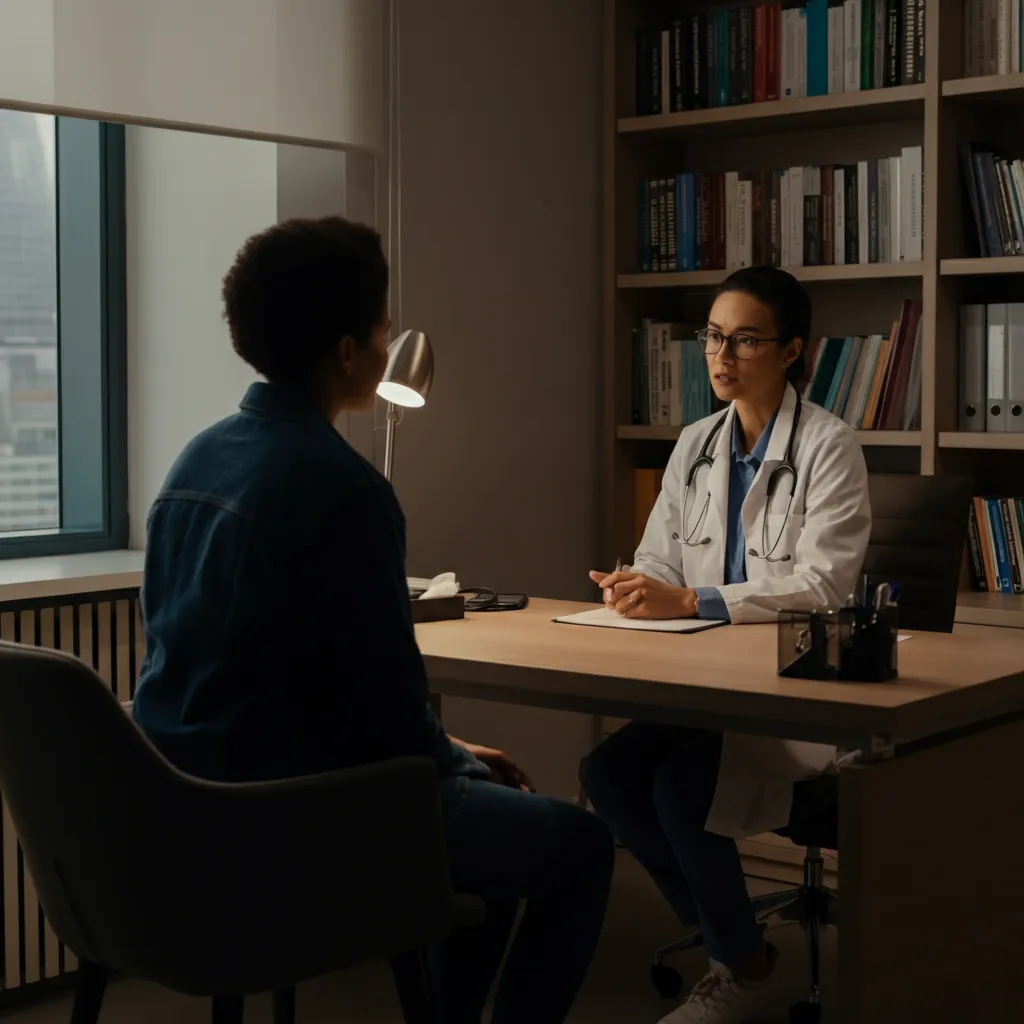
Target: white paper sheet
{"type": "Point", "coordinates": [611, 620]}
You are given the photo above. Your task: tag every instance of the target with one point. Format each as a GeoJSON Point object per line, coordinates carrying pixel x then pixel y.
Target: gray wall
{"type": "Point", "coordinates": [498, 475]}
{"type": "Point", "coordinates": [501, 107]}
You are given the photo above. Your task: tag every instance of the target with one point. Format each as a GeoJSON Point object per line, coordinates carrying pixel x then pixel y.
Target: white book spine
{"type": "Point", "coordinates": [851, 38]}
{"type": "Point", "coordinates": [884, 255]}
{"type": "Point", "coordinates": [653, 372]}
{"type": "Point", "coordinates": [970, 23]}
{"type": "Point", "coordinates": [836, 52]}
{"type": "Point", "coordinates": [675, 401]}
{"type": "Point", "coordinates": [1014, 35]}
{"type": "Point", "coordinates": [895, 208]}
{"type": "Point", "coordinates": [744, 223]}
{"type": "Point", "coordinates": [992, 41]}
{"type": "Point", "coordinates": [863, 216]}
{"type": "Point", "coordinates": [913, 193]}
{"type": "Point", "coordinates": [839, 212]}
{"type": "Point", "coordinates": [664, 374]}
{"type": "Point", "coordinates": [796, 215]}
{"type": "Point", "coordinates": [784, 212]}
{"type": "Point", "coordinates": [801, 52]}
{"type": "Point", "coordinates": [666, 71]}
{"type": "Point", "coordinates": [788, 55]}
{"type": "Point", "coordinates": [731, 234]}
{"type": "Point", "coordinates": [1003, 37]}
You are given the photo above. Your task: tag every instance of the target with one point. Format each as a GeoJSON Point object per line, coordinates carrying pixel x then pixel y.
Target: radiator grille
{"type": "Point", "coordinates": [105, 631]}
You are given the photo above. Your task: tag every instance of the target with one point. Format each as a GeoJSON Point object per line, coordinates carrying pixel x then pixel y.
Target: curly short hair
{"type": "Point", "coordinates": [788, 300]}
{"type": "Point", "coordinates": [298, 288]}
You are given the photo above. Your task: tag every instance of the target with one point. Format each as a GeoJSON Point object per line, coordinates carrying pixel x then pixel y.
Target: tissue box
{"type": "Point", "coordinates": [439, 609]}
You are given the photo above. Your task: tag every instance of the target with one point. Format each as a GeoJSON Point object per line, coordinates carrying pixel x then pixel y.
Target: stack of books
{"type": "Point", "coordinates": [992, 368]}
{"type": "Point", "coordinates": [873, 382]}
{"type": "Point", "coordinates": [996, 543]}
{"type": "Point", "coordinates": [753, 53]}
{"type": "Point", "coordinates": [670, 376]}
{"type": "Point", "coordinates": [992, 37]}
{"type": "Point", "coordinates": [869, 212]}
{"type": "Point", "coordinates": [994, 185]}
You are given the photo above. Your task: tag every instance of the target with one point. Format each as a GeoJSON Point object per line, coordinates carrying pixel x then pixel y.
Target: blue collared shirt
{"type": "Point", "coordinates": [279, 636]}
{"type": "Point", "coordinates": [741, 475]}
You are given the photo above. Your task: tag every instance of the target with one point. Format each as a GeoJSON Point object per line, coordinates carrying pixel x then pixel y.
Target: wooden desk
{"type": "Point", "coordinates": [929, 929]}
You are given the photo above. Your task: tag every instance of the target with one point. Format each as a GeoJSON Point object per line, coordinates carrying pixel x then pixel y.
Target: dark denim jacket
{"type": "Point", "coordinates": [279, 637]}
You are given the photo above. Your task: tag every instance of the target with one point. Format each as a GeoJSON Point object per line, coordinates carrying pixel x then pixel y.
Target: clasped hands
{"type": "Point", "coordinates": [636, 596]}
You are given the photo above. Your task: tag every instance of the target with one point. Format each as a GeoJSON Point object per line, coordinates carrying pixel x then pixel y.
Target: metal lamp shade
{"type": "Point", "coordinates": [410, 371]}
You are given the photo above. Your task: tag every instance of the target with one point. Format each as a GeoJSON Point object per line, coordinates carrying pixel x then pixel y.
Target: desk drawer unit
{"type": "Point", "coordinates": [105, 630]}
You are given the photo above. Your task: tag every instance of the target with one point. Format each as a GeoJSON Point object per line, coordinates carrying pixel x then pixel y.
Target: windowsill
{"type": "Point", "coordinates": [59, 575]}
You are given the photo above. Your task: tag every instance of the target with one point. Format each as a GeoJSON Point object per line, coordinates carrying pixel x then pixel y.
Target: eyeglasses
{"type": "Point", "coordinates": [742, 346]}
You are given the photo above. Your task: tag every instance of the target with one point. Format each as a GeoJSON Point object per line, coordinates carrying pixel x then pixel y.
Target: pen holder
{"type": "Point", "coordinates": [809, 645]}
{"type": "Point", "coordinates": [868, 644]}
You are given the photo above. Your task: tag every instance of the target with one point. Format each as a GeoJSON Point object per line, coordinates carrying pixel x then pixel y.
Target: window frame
{"type": "Point", "coordinates": [92, 422]}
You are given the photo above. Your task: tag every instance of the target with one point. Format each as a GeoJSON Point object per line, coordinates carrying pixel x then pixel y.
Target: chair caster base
{"type": "Point", "coordinates": [667, 980]}
{"type": "Point", "coordinates": [805, 1013]}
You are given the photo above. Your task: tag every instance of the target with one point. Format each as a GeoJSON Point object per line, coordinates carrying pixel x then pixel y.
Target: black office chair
{"type": "Point", "coordinates": [208, 889]}
{"type": "Point", "coordinates": [918, 535]}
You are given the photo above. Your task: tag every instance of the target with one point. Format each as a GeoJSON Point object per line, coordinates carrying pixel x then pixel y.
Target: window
{"type": "Point", "coordinates": [63, 484]}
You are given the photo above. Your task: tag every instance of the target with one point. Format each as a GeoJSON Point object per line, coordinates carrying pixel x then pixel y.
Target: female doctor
{"type": "Point", "coordinates": [764, 507]}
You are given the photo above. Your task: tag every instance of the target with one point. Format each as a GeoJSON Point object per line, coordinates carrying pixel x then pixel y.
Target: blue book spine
{"type": "Point", "coordinates": [995, 521]}
{"type": "Point", "coordinates": [644, 233]}
{"type": "Point", "coordinates": [817, 47]}
{"type": "Point", "coordinates": [722, 57]}
{"type": "Point", "coordinates": [837, 376]}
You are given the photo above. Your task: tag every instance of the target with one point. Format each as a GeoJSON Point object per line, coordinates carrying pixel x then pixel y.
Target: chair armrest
{"type": "Point", "coordinates": [302, 876]}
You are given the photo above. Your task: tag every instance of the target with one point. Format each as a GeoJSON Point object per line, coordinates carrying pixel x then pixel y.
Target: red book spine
{"type": "Point", "coordinates": [760, 54]}
{"type": "Point", "coordinates": [772, 52]}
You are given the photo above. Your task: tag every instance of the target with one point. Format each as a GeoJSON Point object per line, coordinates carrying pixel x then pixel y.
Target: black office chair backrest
{"type": "Point", "coordinates": [918, 535]}
{"type": "Point", "coordinates": [202, 887]}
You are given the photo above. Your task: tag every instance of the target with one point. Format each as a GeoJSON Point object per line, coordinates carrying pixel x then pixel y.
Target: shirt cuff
{"type": "Point", "coordinates": [711, 604]}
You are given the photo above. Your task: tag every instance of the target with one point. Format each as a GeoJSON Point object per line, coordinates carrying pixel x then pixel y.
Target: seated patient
{"type": "Point", "coordinates": [739, 537]}
{"type": "Point", "coordinates": [279, 638]}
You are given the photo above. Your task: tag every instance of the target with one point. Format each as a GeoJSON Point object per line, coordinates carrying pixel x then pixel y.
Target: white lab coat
{"type": "Point", "coordinates": [827, 537]}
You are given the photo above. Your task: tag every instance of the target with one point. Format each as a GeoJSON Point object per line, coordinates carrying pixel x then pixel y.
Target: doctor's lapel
{"type": "Point", "coordinates": [755, 505]}
{"type": "Point", "coordinates": [718, 489]}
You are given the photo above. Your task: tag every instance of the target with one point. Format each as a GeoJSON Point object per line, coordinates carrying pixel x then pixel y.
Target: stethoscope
{"type": "Point", "coordinates": [784, 470]}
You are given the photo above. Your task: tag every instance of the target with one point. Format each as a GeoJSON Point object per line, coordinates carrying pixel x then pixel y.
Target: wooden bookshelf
{"type": "Point", "coordinates": [939, 115]}
{"type": "Point", "coordinates": [990, 609]}
{"type": "Point", "coordinates": [868, 438]}
{"type": "Point", "coordinates": [982, 266]}
{"type": "Point", "coordinates": [992, 88]}
{"type": "Point", "coordinates": [982, 441]}
{"type": "Point", "coordinates": [710, 278]}
{"type": "Point", "coordinates": [838, 110]}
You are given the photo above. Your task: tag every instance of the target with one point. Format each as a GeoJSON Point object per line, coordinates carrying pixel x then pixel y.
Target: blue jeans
{"type": "Point", "coordinates": [654, 785]}
{"type": "Point", "coordinates": [505, 846]}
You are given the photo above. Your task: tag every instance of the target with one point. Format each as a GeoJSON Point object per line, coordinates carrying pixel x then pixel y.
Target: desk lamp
{"type": "Point", "coordinates": [406, 383]}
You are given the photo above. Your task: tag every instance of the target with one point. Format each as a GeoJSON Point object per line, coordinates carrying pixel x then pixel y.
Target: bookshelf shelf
{"type": "Point", "coordinates": [982, 441]}
{"type": "Point", "coordinates": [900, 103]}
{"type": "Point", "coordinates": [982, 265]}
{"type": "Point", "coordinates": [867, 438]}
{"type": "Point", "coordinates": [999, 88]}
{"type": "Point", "coordinates": [990, 609]}
{"type": "Point", "coordinates": [710, 278]}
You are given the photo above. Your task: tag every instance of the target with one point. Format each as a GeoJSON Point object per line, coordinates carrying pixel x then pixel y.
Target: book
{"type": "Point", "coordinates": [761, 52]}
